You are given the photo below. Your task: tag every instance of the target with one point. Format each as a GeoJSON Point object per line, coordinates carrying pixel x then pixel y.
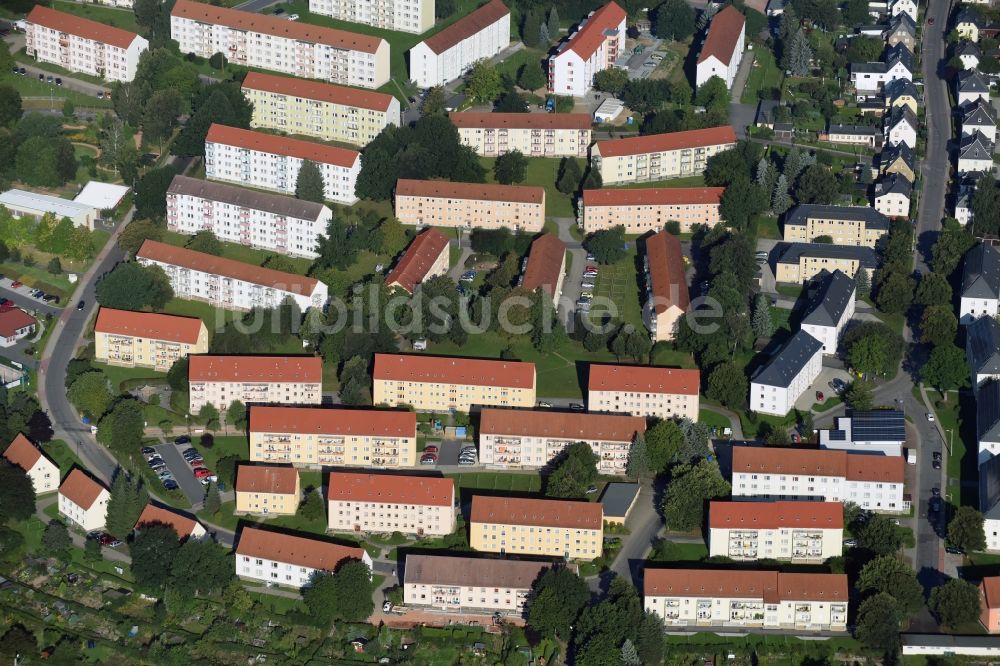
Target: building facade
{"type": "Point", "coordinates": [146, 339]}
{"type": "Point", "coordinates": [469, 584]}
{"type": "Point", "coordinates": [659, 156]}
{"type": "Point", "coordinates": [664, 393]}
{"type": "Point", "coordinates": [282, 380]}
{"type": "Point", "coordinates": [593, 48]}
{"type": "Point", "coordinates": [830, 311]}
{"type": "Point", "coordinates": [795, 531]}
{"type": "Point", "coordinates": [383, 503]}
{"type": "Point", "coordinates": [799, 262]}
{"type": "Point", "coordinates": [666, 282]}
{"type": "Point", "coordinates": [554, 528]}
{"type": "Point", "coordinates": [533, 134]}
{"type": "Point", "coordinates": [980, 296]}
{"type": "Point", "coordinates": [546, 267]}
{"type": "Point", "coordinates": [267, 490]}
{"type": "Point", "coordinates": [647, 209]}
{"type": "Point", "coordinates": [426, 257]}
{"type": "Point", "coordinates": [789, 374]}
{"type": "Point", "coordinates": [722, 51]}
{"type": "Point", "coordinates": [289, 560]}
{"type": "Point", "coordinates": [416, 16]}
{"type": "Point", "coordinates": [470, 205]}
{"type": "Point", "coordinates": [448, 54]}
{"type": "Point", "coordinates": [83, 501]}
{"type": "Point", "coordinates": [42, 471]}
{"type": "Point", "coordinates": [845, 225]}
{"type": "Point", "coordinates": [989, 591]}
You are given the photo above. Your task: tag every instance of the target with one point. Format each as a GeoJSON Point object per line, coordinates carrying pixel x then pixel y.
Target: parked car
{"type": "Point", "coordinates": [935, 504]}
{"type": "Point", "coordinates": [50, 298]}
{"type": "Point", "coordinates": [202, 472]}
{"type": "Point", "coordinates": [936, 455]}
{"type": "Point", "coordinates": [293, 17]}
{"type": "Point", "coordinates": [850, 543]}
{"type": "Point", "coordinates": [100, 94]}
{"type": "Point", "coordinates": [930, 417]}
{"type": "Point", "coordinates": [936, 464]}
{"type": "Point", "coordinates": [954, 551]}
{"type": "Point", "coordinates": [936, 492]}
{"type": "Point", "coordinates": [183, 439]}
{"type": "Point", "coordinates": [576, 407]}
{"type": "Point", "coordinates": [109, 541]}
{"type": "Point", "coordinates": [22, 71]}
{"type": "Point", "coordinates": [820, 397]}
{"type": "Point", "coordinates": [542, 403]}
{"type": "Point", "coordinates": [16, 285]}
{"type": "Point", "coordinates": [146, 450]}
{"type": "Point", "coordinates": [591, 257]}
{"type": "Point", "coordinates": [50, 79]}
{"type": "Point", "coordinates": [466, 461]}
{"type": "Point", "coordinates": [58, 81]}
{"type": "Point", "coordinates": [428, 460]}
{"type": "Point", "coordinates": [387, 606]}
{"type": "Point", "coordinates": [170, 484]}
{"type": "Point", "coordinates": [430, 449]}
{"type": "Point", "coordinates": [81, 305]}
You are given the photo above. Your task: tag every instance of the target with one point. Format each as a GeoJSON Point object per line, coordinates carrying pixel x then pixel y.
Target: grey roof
{"type": "Point", "coordinates": [787, 363]}
{"type": "Point", "coordinates": [964, 199]}
{"type": "Point", "coordinates": [903, 114]}
{"type": "Point", "coordinates": [618, 498]}
{"type": "Point", "coordinates": [900, 52]}
{"type": "Point", "coordinates": [989, 488]}
{"type": "Point", "coordinates": [980, 112]}
{"type": "Point", "coordinates": [892, 153]}
{"type": "Point", "coordinates": [893, 184]}
{"type": "Point", "coordinates": [869, 67]}
{"type": "Point", "coordinates": [784, 127]}
{"type": "Point", "coordinates": [972, 81]}
{"type": "Point", "coordinates": [981, 275]}
{"type": "Point", "coordinates": [276, 204]}
{"type": "Point", "coordinates": [968, 15]}
{"type": "Point", "coordinates": [982, 346]}
{"type": "Point", "coordinates": [873, 219]}
{"type": "Point", "coordinates": [968, 48]}
{"type": "Point", "coordinates": [472, 571]}
{"type": "Point", "coordinates": [976, 147]}
{"type": "Point", "coordinates": [951, 640]}
{"type": "Point", "coordinates": [988, 412]}
{"type": "Point", "coordinates": [903, 21]}
{"type": "Point", "coordinates": [831, 301]}
{"type": "Point", "coordinates": [859, 130]}
{"type": "Point", "coordinates": [898, 87]}
{"type": "Point", "coordinates": [794, 251]}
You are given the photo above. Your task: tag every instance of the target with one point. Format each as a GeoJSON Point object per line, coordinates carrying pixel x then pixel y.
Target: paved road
{"type": "Point", "coordinates": [190, 486]}
{"type": "Point", "coordinates": [644, 524]}
{"type": "Point", "coordinates": [574, 277]}
{"type": "Point", "coordinates": [16, 42]}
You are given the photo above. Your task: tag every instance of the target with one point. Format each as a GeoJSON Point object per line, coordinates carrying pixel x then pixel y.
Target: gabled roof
{"type": "Point", "coordinates": [971, 81]}
{"type": "Point", "coordinates": [979, 112]}
{"type": "Point", "coordinates": [769, 586]}
{"type": "Point", "coordinates": [652, 196]}
{"type": "Point", "coordinates": [149, 325]}
{"type": "Point", "coordinates": [793, 252]}
{"type": "Point", "coordinates": [81, 27]}
{"type": "Point", "coordinates": [968, 15]}
{"type": "Point", "coordinates": [982, 346]}
{"type": "Point", "coordinates": [856, 130]}
{"type": "Point", "coordinates": [254, 369]}
{"type": "Point", "coordinates": [295, 550]}
{"type": "Point", "coordinates": [902, 22]}
{"type": "Point", "coordinates": [776, 515]}
{"type": "Point", "coordinates": [988, 412]}
{"type": "Point", "coordinates": [268, 479]}
{"type": "Point", "coordinates": [544, 121]}
{"type": "Point", "coordinates": [869, 68]}
{"type": "Point", "coordinates": [184, 525]}
{"type": "Point", "coordinates": [666, 272]}
{"type": "Point", "coordinates": [890, 154]}
{"type": "Point", "coordinates": [537, 512]}
{"type": "Point", "coordinates": [417, 261]}
{"type": "Point", "coordinates": [467, 26]}
{"type": "Point", "coordinates": [966, 47]}
{"type": "Point", "coordinates": [787, 363]}
{"type": "Point", "coordinates": [274, 144]}
{"type": "Point", "coordinates": [643, 379]}
{"type": "Point", "coordinates": [654, 143]}
{"type": "Point", "coordinates": [902, 114]}
{"type": "Point", "coordinates": [26, 455]}
{"type": "Point", "coordinates": [801, 214]}
{"type": "Point", "coordinates": [981, 275]}
{"type": "Point", "coordinates": [893, 183]}
{"type": "Point", "coordinates": [472, 571]}
{"type": "Point", "coordinates": [975, 147]}
{"type": "Point", "coordinates": [723, 34]}
{"type": "Point", "coordinates": [241, 197]}
{"type": "Point", "coordinates": [832, 300]}
{"type": "Point", "coordinates": [818, 462]}
{"type": "Point", "coordinates": [989, 488]}
{"type": "Point", "coordinates": [14, 320]}
{"type": "Point", "coordinates": [991, 591]}
{"type": "Point", "coordinates": [545, 264]}
{"type": "Point", "coordinates": [453, 370]}
{"type": "Point", "coordinates": [899, 53]}
{"type": "Point", "coordinates": [318, 91]}
{"type": "Point", "coordinates": [593, 30]}
{"type": "Point", "coordinates": [326, 421]}
{"type": "Point", "coordinates": [901, 87]}
{"type": "Point", "coordinates": [574, 426]}
{"type": "Point", "coordinates": [445, 189]}
{"type": "Point", "coordinates": [370, 488]}
{"type": "Point", "coordinates": [80, 489]}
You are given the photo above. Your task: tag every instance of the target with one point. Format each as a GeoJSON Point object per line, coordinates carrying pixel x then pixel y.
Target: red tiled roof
{"type": "Point", "coordinates": [390, 489]}
{"type": "Point", "coordinates": [576, 426]}
{"type": "Point", "coordinates": [272, 25]}
{"type": "Point", "coordinates": [81, 27]}
{"type": "Point", "coordinates": [887, 469]}
{"type": "Point", "coordinates": [444, 189]}
{"type": "Point", "coordinates": [319, 420]}
{"type": "Point", "coordinates": [643, 378]}
{"type": "Point", "coordinates": [577, 121]}
{"type": "Point", "coordinates": [262, 142]}
{"type": "Point", "coordinates": [538, 512]}
{"type": "Point", "coordinates": [723, 33]}
{"type": "Point", "coordinates": [13, 320]}
{"type": "Point", "coordinates": [589, 38]}
{"type": "Point", "coordinates": [80, 489]}
{"type": "Point", "coordinates": [467, 26]}
{"type": "Point", "coordinates": [151, 325]}
{"type": "Point", "coordinates": [812, 587]}
{"type": "Point", "coordinates": [666, 272]}
{"type": "Point", "coordinates": [182, 524]}
{"type": "Point", "coordinates": [653, 196]}
{"type": "Point", "coordinates": [413, 266]}
{"type": "Point", "coordinates": [770, 586]}
{"type": "Point", "coordinates": [324, 92]}
{"type": "Point", "coordinates": [776, 515]}
{"type": "Point", "coordinates": [270, 479]}
{"type": "Point", "coordinates": [817, 462]}
{"type": "Point", "coordinates": [545, 264]}
{"type": "Point", "coordinates": [991, 591]}
{"type": "Point", "coordinates": [22, 453]}
{"type": "Point", "coordinates": [655, 143]}
{"type": "Point", "coordinates": [294, 550]}
{"type": "Point", "coordinates": [454, 370]}
{"type": "Point", "coordinates": [265, 369]}
{"type": "Point", "coordinates": [238, 270]}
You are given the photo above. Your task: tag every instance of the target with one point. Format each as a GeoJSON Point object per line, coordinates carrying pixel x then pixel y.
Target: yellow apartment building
{"type": "Point", "coordinates": [427, 257]}
{"type": "Point", "coordinates": [647, 209]}
{"type": "Point", "coordinates": [666, 283]}
{"type": "Point", "coordinates": [654, 157]}
{"type": "Point", "coordinates": [795, 531]}
{"type": "Point", "coordinates": [288, 380]}
{"type": "Point", "coordinates": [385, 503]}
{"type": "Point", "coordinates": [803, 261]}
{"type": "Point", "coordinates": [533, 134]}
{"type": "Point", "coordinates": [519, 526]}
{"type": "Point", "coordinates": [267, 490]}
{"type": "Point", "coordinates": [665, 393]}
{"type": "Point", "coordinates": [442, 203]}
{"type": "Point", "coordinates": [146, 339]}
{"type": "Point", "coordinates": [845, 225]}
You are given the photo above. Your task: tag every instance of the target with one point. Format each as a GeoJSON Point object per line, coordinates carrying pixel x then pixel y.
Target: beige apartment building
{"type": "Point", "coordinates": [443, 383]}
{"type": "Point", "coordinates": [666, 282]}
{"type": "Point", "coordinates": [531, 439]}
{"type": "Point", "coordinates": [322, 110]}
{"type": "Point", "coordinates": [659, 156]}
{"type": "Point", "coordinates": [146, 339]}
{"type": "Point", "coordinates": [267, 489]}
{"type": "Point", "coordinates": [647, 209]}
{"type": "Point", "coordinates": [286, 380]}
{"type": "Point", "coordinates": [845, 225]}
{"type": "Point", "coordinates": [533, 134]}
{"type": "Point", "coordinates": [665, 393]}
{"type": "Point", "coordinates": [520, 526]}
{"type": "Point", "coordinates": [385, 503]}
{"type": "Point", "coordinates": [796, 531]}
{"type": "Point", "coordinates": [333, 437]}
{"type": "Point", "coordinates": [442, 203]}
{"type": "Point", "coordinates": [427, 257]}
{"type": "Point", "coordinates": [803, 261]}
{"type": "Point", "coordinates": [546, 267]}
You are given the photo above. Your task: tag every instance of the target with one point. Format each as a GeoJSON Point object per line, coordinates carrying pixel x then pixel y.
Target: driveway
{"type": "Point", "coordinates": [571, 283]}
{"type": "Point", "coordinates": [190, 486]}
{"type": "Point", "coordinates": [822, 384]}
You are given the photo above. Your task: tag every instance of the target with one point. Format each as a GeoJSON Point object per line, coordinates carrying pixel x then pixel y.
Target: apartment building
{"type": "Point", "coordinates": [799, 262]}
{"type": "Point", "coordinates": [733, 599]}
{"type": "Point", "coordinates": [982, 350]}
{"type": "Point", "coordinates": [270, 162]}
{"type": "Point", "coordinates": [989, 590]}
{"type": "Point", "coordinates": [416, 16]}
{"type": "Point", "coordinates": [384, 503]}
{"type": "Point", "coordinates": [647, 209]}
{"type": "Point", "coordinates": [593, 48]}
{"type": "Point", "coordinates": [659, 156]}
{"type": "Point", "coordinates": [274, 43]}
{"type": "Point", "coordinates": [185, 526]}
{"type": "Point", "coordinates": [665, 393]}
{"type": "Point", "coordinates": [427, 257]}
{"type": "Point", "coordinates": [470, 205]}
{"type": "Point", "coordinates": [845, 225]}
{"type": "Point", "coordinates": [268, 490]}
{"type": "Point", "coordinates": [666, 282]}
{"type": "Point", "coordinates": [531, 439]}
{"type": "Point", "coordinates": [830, 310]}
{"type": "Point", "coordinates": [787, 375]}
{"type": "Point", "coordinates": [469, 584]}
{"type": "Point", "coordinates": [146, 339]}
{"type": "Point", "coordinates": [83, 501]}
{"type": "Point", "coordinates": [546, 267]}
{"type": "Point", "coordinates": [980, 295]}
{"type": "Point", "coordinates": [801, 532]}
{"type": "Point", "coordinates": [290, 560]}
{"type": "Point", "coordinates": [443, 383]}
{"type": "Point", "coordinates": [42, 471]}
{"type": "Point", "coordinates": [378, 438]}
{"type": "Point", "coordinates": [285, 380]}
{"type": "Point", "coordinates": [722, 50]}
{"type": "Point", "coordinates": [228, 283]}
{"type": "Point", "coordinates": [875, 483]}
{"type": "Point", "coordinates": [450, 53]}
{"type": "Point", "coordinates": [554, 528]}
{"type": "Point", "coordinates": [533, 134]}
{"type": "Point", "coordinates": [81, 45]}
{"type": "Point", "coordinates": [322, 110]}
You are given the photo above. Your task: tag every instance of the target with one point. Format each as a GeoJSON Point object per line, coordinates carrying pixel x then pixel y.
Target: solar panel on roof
{"type": "Point", "coordinates": [888, 425]}
{"type": "Point", "coordinates": [838, 436]}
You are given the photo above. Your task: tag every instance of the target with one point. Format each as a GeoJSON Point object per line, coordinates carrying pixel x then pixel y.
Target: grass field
{"type": "Point", "coordinates": [618, 283]}
{"type": "Point", "coordinates": [669, 551]}
{"type": "Point", "coordinates": [765, 74]}
{"type": "Point", "coordinates": [63, 455]}
{"type": "Point", "coordinates": [710, 418]}
{"type": "Point", "coordinates": [543, 171]}
{"type": "Point", "coordinates": [30, 86]}
{"type": "Point", "coordinates": [512, 65]}
{"type": "Point", "coordinates": [118, 18]}
{"type": "Point", "coordinates": [523, 483]}
{"type": "Point", "coordinates": [215, 318]}
{"type": "Point", "coordinates": [239, 252]}
{"type": "Point", "coordinates": [118, 375]}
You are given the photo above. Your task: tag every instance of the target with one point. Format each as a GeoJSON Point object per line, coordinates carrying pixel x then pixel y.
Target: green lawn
{"type": "Point", "coordinates": [668, 551]}
{"type": "Point", "coordinates": [225, 518]}
{"type": "Point", "coordinates": [237, 252]}
{"type": "Point", "coordinates": [543, 171]}
{"type": "Point", "coordinates": [63, 455]}
{"type": "Point", "coordinates": [118, 375]}
{"type": "Point", "coordinates": [512, 65]}
{"type": "Point", "coordinates": [225, 445]}
{"type": "Point", "coordinates": [710, 419]}
{"type": "Point", "coordinates": [685, 181]}
{"type": "Point", "coordinates": [522, 483]}
{"type": "Point", "coordinates": [618, 283]}
{"type": "Point", "coordinates": [30, 86]}
{"type": "Point", "coordinates": [215, 318]}
{"type": "Point", "coordinates": [118, 18]}
{"type": "Point", "coordinates": [765, 74]}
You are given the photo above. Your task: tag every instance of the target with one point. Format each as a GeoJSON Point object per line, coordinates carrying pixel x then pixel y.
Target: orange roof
{"type": "Point", "coordinates": [467, 26]}
{"type": "Point", "coordinates": [390, 489]}
{"type": "Point", "coordinates": [454, 370]}
{"type": "Point", "coordinates": [472, 119]}
{"type": "Point", "coordinates": [22, 453]}
{"type": "Point", "coordinates": [666, 272]}
{"type": "Point", "coordinates": [886, 469]}
{"type": "Point", "coordinates": [264, 369]}
{"type": "Point", "coordinates": [237, 270]}
{"type": "Point", "coordinates": [184, 525]}
{"type": "Point", "coordinates": [80, 489]}
{"type": "Point", "coordinates": [776, 515]}
{"type": "Point", "coordinates": [725, 31]}
{"type": "Point", "coordinates": [417, 261]}
{"type": "Point", "coordinates": [294, 550]}
{"type": "Point", "coordinates": [538, 512]}
{"type": "Point", "coordinates": [14, 320]}
{"type": "Point", "coordinates": [441, 189]}
{"type": "Point", "coordinates": [653, 196]}
{"type": "Point", "coordinates": [590, 36]}
{"type": "Point", "coordinates": [152, 325]}
{"type": "Point", "coordinates": [574, 426]}
{"type": "Point", "coordinates": [655, 143]}
{"type": "Point", "coordinates": [267, 479]}
{"type": "Point", "coordinates": [645, 379]}
{"type": "Point", "coordinates": [317, 420]}
{"type": "Point", "coordinates": [81, 27]}
{"type": "Point", "coordinates": [545, 264]}
{"type": "Point", "coordinates": [262, 142]}
{"type": "Point", "coordinates": [812, 587]}
{"type": "Point", "coordinates": [272, 25]}
{"type": "Point", "coordinates": [770, 586]}
{"type": "Point", "coordinates": [323, 92]}
{"type": "Point", "coordinates": [817, 462]}
{"type": "Point", "coordinates": [991, 591]}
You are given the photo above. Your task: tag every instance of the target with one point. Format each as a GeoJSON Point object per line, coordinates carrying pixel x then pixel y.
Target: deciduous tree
{"type": "Point", "coordinates": [878, 623]}
{"type": "Point", "coordinates": [895, 577]}
{"type": "Point", "coordinates": [728, 384]}
{"type": "Point", "coordinates": [674, 20]}
{"type": "Point", "coordinates": [965, 531]}
{"type": "Point", "coordinates": [691, 486]}
{"type": "Point", "coordinates": [17, 493]}
{"type": "Point", "coordinates": [205, 241]}
{"type": "Point", "coordinates": [555, 601]}
{"type": "Point", "coordinates": [483, 82]}
{"type": "Point", "coordinates": [511, 167]}
{"type": "Point", "coordinates": [955, 603]}
{"type": "Point", "coordinates": [607, 245]}
{"type": "Point", "coordinates": [153, 552]}
{"type": "Point", "coordinates": [89, 393]}
{"type": "Point", "coordinates": [575, 469]}
{"type": "Point", "coordinates": [128, 499]}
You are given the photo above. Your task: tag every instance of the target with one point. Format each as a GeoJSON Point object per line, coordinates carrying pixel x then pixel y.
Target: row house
{"type": "Point", "coordinates": [722, 51]}
{"type": "Point", "coordinates": [799, 262]}
{"type": "Point", "coordinates": [644, 209]}
{"type": "Point", "coordinates": [442, 203]}
{"type": "Point", "coordinates": [146, 339]}
{"type": "Point", "coordinates": [383, 503]}
{"type": "Point", "coordinates": [667, 293]}
{"type": "Point", "coordinates": [845, 225]}
{"type": "Point", "coordinates": [549, 527]}
{"type": "Point", "coordinates": [413, 16]}
{"type": "Point", "coordinates": [800, 532]}
{"type": "Point", "coordinates": [829, 311]}
{"type": "Point", "coordinates": [647, 391]}
{"type": "Point", "coordinates": [426, 257]}
{"type": "Point", "coordinates": [267, 490]}
{"type": "Point", "coordinates": [979, 118]}
{"type": "Point", "coordinates": [83, 501]}
{"type": "Point", "coordinates": [450, 53]}
{"type": "Point", "coordinates": [901, 29]}
{"type": "Point", "coordinates": [289, 560]}
{"type": "Point", "coordinates": [545, 267]}
{"type": "Point", "coordinates": [659, 156]}
{"type": "Point", "coordinates": [42, 471]}
{"type": "Point", "coordinates": [286, 380]}
{"type": "Point", "coordinates": [593, 48]}
{"type": "Point", "coordinates": [184, 525]}
{"type": "Point", "coordinates": [533, 134]}
{"type": "Point", "coordinates": [980, 294]}
{"type": "Point", "coordinates": [787, 375]}
{"type": "Point", "coordinates": [982, 349]}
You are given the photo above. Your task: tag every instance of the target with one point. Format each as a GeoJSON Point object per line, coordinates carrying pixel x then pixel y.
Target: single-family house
{"type": "Point", "coordinates": [897, 159]}
{"type": "Point", "coordinates": [901, 127]}
{"type": "Point", "coordinates": [83, 501]}
{"type": "Point", "coordinates": [975, 154]}
{"type": "Point", "coordinates": [44, 473]}
{"type": "Point", "coordinates": [979, 118]}
{"type": "Point", "coordinates": [971, 86]}
{"type": "Point", "coordinates": [963, 204]}
{"type": "Point", "coordinates": [15, 324]}
{"type": "Point", "coordinates": [908, 7]}
{"type": "Point", "coordinates": [902, 30]}
{"type": "Point", "coordinates": [892, 196]}
{"type": "Point", "coordinates": [968, 23]}
{"type": "Point", "coordinates": [902, 92]}
{"type": "Point", "coordinates": [969, 54]}
{"type": "Point", "coordinates": [980, 293]}
{"type": "Point", "coordinates": [982, 350]}
{"type": "Point", "coordinates": [896, 63]}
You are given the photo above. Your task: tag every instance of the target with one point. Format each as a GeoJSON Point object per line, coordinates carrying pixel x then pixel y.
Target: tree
{"type": "Point", "coordinates": [345, 595]}
{"type": "Point", "coordinates": [728, 384]}
{"type": "Point", "coordinates": [160, 117]}
{"type": "Point", "coordinates": [607, 245]}
{"type": "Point", "coordinates": [177, 375]}
{"type": "Point", "coordinates": [798, 55]}
{"type": "Point", "coordinates": [236, 415]}
{"type": "Point", "coordinates": [893, 576]}
{"type": "Point", "coordinates": [38, 162]}
{"type": "Point", "coordinates": [128, 499]}
{"type": "Point", "coordinates": [92, 550]}
{"type": "Point", "coordinates": [863, 283]}
{"type": "Point", "coordinates": [612, 80]}
{"type": "Point", "coordinates": [530, 76]}
{"type": "Point", "coordinates": [816, 185]}
{"type": "Point", "coordinates": [136, 233]}
{"type": "Point", "coordinates": [691, 486]}
{"type": "Point", "coordinates": [638, 458]}
{"type": "Point", "coordinates": [54, 266]}
{"type": "Point", "coordinates": [151, 193]}
{"type": "Point", "coordinates": [17, 494]}
{"type": "Point", "coordinates": [570, 175]}
{"type": "Point", "coordinates": [530, 28]}
{"type": "Point", "coordinates": [713, 95]}
{"type": "Point", "coordinates": [763, 174]}
{"type": "Point", "coordinates": [674, 20]}
{"type": "Point", "coordinates": [879, 535]}
{"type": "Point", "coordinates": [965, 531]}
{"type": "Point", "coordinates": [221, 103]}
{"type": "Point", "coordinates": [741, 201]}
{"type": "Point", "coordinates": [312, 507]}
{"type": "Point", "coordinates": [934, 290]}
{"type": "Point", "coordinates": [855, 12]}
{"type": "Point", "coordinates": [209, 415]}
{"type": "Point", "coordinates": [10, 105]}
{"type": "Point", "coordinates": [763, 323]}
{"type": "Point", "coordinates": [511, 167]}
{"type": "Point", "coordinates": [225, 469]}
{"type": "Point", "coordinates": [121, 429]}
{"type": "Point", "coordinates": [955, 603]}
{"type": "Point", "coordinates": [938, 325]}
{"type": "Point", "coordinates": [56, 540]}
{"type": "Point", "coordinates": [864, 49]}
{"type": "Point", "coordinates": [663, 440]}
{"type": "Point", "coordinates": [859, 396]}
{"type": "Point", "coordinates": [309, 183]}
{"type": "Point", "coordinates": [552, 22]}
{"type": "Point", "coordinates": [18, 642]}
{"type": "Point", "coordinates": [213, 500]}
{"type": "Point", "coordinates": [878, 623]}
{"type": "Point", "coordinates": [200, 567]}
{"type": "Point", "coordinates": [555, 601]}
{"type": "Point", "coordinates": [895, 292]}
{"type": "Point", "coordinates": [780, 199]}
{"type": "Point", "coordinates": [873, 348]}
{"type": "Point", "coordinates": [574, 470]}
{"type": "Point", "coordinates": [131, 286]}
{"type": "Point", "coordinates": [483, 82]}
{"type": "Point", "coordinates": [946, 368]}
{"type": "Point", "coordinates": [153, 551]}
{"type": "Point", "coordinates": [954, 240]}
{"type": "Point", "coordinates": [90, 395]}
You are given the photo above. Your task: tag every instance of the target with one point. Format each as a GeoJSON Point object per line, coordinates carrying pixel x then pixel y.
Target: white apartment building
{"type": "Point", "coordinates": [385, 503]}
{"type": "Point", "coordinates": [284, 380]}
{"type": "Point", "coordinates": [416, 16]}
{"type": "Point", "coordinates": [441, 203]}
{"type": "Point", "coordinates": [593, 48]}
{"type": "Point", "coordinates": [647, 209]}
{"type": "Point", "coordinates": [469, 584]}
{"type": "Point", "coordinates": [789, 374]}
{"type": "Point", "coordinates": [289, 560]}
{"type": "Point", "coordinates": [795, 531]}
{"type": "Point", "coordinates": [659, 156]}
{"type": "Point", "coordinates": [980, 294]}
{"type": "Point", "coordinates": [274, 43]}
{"type": "Point", "coordinates": [83, 501]}
{"type": "Point", "coordinates": [270, 162]}
{"type": "Point", "coordinates": [665, 393]}
{"type": "Point", "coordinates": [533, 134]}
{"type": "Point", "coordinates": [228, 283]}
{"type": "Point", "coordinates": [42, 471]}
{"type": "Point", "coordinates": [877, 432]}
{"type": "Point", "coordinates": [82, 45]}
{"type": "Point", "coordinates": [448, 54]}
{"type": "Point", "coordinates": [988, 421]}
{"type": "Point", "coordinates": [531, 439]}
{"type": "Point", "coordinates": [722, 51]}
{"type": "Point", "coordinates": [729, 599]}
{"type": "Point", "coordinates": [875, 483]}
{"type": "Point", "coordinates": [830, 311]}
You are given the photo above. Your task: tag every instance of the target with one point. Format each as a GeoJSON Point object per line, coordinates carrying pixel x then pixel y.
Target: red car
{"type": "Point", "coordinates": [819, 396]}
{"type": "Point", "coordinates": [591, 269]}
{"type": "Point", "coordinates": [431, 449]}
{"type": "Point", "coordinates": [108, 540]}
{"type": "Point", "coordinates": [15, 285]}
{"type": "Point", "coordinates": [202, 472]}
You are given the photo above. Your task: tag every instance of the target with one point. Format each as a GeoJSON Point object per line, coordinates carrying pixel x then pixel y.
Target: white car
{"type": "Point", "coordinates": [387, 606]}
{"type": "Point", "coordinates": [293, 17]}
{"type": "Point", "coordinates": [930, 417]}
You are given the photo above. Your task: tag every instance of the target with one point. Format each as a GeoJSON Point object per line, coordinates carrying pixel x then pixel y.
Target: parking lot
{"type": "Point", "coordinates": [21, 296]}
{"type": "Point", "coordinates": [182, 472]}
{"type": "Point", "coordinates": [822, 385]}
